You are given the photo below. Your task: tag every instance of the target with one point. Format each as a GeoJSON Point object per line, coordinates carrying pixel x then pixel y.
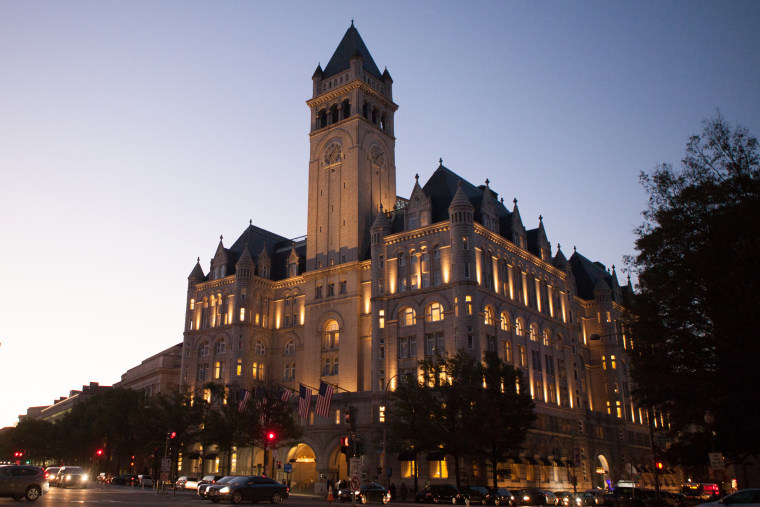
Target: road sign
{"type": "Point", "coordinates": [166, 464]}
{"type": "Point", "coordinates": [355, 468]}
{"type": "Point", "coordinates": [287, 467]}
{"type": "Point", "coordinates": [716, 460]}
{"type": "Point", "coordinates": [355, 485]}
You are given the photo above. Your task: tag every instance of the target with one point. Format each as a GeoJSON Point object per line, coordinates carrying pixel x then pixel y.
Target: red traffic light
{"type": "Point", "coordinates": [659, 465]}
{"type": "Point", "coordinates": [345, 441]}
{"type": "Point", "coordinates": [270, 436]}
{"type": "Point", "coordinates": [174, 434]}
{"type": "Point", "coordinates": [18, 454]}
{"type": "Point", "coordinates": [99, 452]}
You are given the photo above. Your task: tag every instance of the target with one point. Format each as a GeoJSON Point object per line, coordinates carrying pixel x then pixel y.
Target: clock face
{"type": "Point", "coordinates": [376, 156]}
{"type": "Point", "coordinates": [333, 154]}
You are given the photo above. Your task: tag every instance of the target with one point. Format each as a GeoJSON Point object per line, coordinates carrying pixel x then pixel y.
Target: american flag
{"type": "Point", "coordinates": [245, 396]}
{"type": "Point", "coordinates": [304, 402]}
{"type": "Point", "coordinates": [324, 399]}
{"type": "Point", "coordinates": [283, 393]}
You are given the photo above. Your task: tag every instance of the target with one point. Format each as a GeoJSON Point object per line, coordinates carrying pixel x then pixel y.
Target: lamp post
{"type": "Point", "coordinates": [385, 415]}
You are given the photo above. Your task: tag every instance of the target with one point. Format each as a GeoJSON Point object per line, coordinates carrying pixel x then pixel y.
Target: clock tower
{"type": "Point", "coordinates": [352, 171]}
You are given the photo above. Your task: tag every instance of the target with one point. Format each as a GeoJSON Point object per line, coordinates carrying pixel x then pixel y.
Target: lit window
{"type": "Point", "coordinates": [468, 304]}
{"type": "Point", "coordinates": [330, 335]}
{"type": "Point", "coordinates": [407, 317]}
{"type": "Point", "coordinates": [434, 312]}
{"type": "Point", "coordinates": [533, 333]}
{"type": "Point", "coordinates": [438, 469]}
{"type": "Point", "coordinates": [381, 320]}
{"type": "Point", "coordinates": [504, 321]}
{"type": "Point", "coordinates": [218, 369]}
{"type": "Point", "coordinates": [613, 365]}
{"type": "Point", "coordinates": [381, 414]}
{"type": "Point", "coordinates": [519, 328]}
{"type": "Point", "coordinates": [239, 367]}
{"type": "Point", "coordinates": [260, 349]}
{"type": "Point", "coordinates": [490, 319]}
{"type": "Point", "coordinates": [242, 315]}
{"type": "Point", "coordinates": [192, 304]}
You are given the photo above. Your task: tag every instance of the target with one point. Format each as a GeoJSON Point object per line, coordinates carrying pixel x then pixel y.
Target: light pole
{"type": "Point", "coordinates": [385, 416]}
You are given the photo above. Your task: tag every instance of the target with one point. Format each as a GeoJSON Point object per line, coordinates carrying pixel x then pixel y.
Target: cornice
{"type": "Point", "coordinates": [337, 270]}
{"type": "Point", "coordinates": [416, 233]}
{"type": "Point", "coordinates": [519, 252]}
{"type": "Point", "coordinates": [342, 90]}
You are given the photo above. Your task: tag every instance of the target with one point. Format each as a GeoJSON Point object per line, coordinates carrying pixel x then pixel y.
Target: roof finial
{"type": "Point", "coordinates": [250, 222]}
{"type": "Point", "coordinates": [352, 22]}
{"type": "Point", "coordinates": [199, 259]}
{"type": "Point", "coordinates": [502, 200]}
{"type": "Point", "coordinates": [515, 201]}
{"type": "Point", "coordinates": [487, 182]}
{"type": "Point", "coordinates": [381, 207]}
{"type": "Point", "coordinates": [440, 162]}
{"type": "Point", "coordinates": [575, 250]}
{"type": "Point", "coordinates": [540, 218]}
{"type": "Point", "coordinates": [221, 237]}
{"type": "Point", "coordinates": [613, 269]}
{"type": "Point", "coordinates": [417, 177]}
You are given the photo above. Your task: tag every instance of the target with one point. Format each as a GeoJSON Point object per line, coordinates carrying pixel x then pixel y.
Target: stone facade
{"type": "Point", "coordinates": [381, 282]}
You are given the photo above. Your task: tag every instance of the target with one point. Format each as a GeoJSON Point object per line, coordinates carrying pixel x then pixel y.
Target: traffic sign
{"type": "Point", "coordinates": [355, 485]}
{"type": "Point", "coordinates": [355, 468]}
{"type": "Point", "coordinates": [716, 460]}
{"type": "Point", "coordinates": [166, 464]}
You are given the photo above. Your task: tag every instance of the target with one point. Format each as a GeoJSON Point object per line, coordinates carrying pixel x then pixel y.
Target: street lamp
{"type": "Point", "coordinates": [385, 415]}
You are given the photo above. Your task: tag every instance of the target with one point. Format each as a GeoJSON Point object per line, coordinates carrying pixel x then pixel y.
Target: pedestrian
{"type": "Point", "coordinates": [403, 492]}
{"type": "Point", "coordinates": [392, 489]}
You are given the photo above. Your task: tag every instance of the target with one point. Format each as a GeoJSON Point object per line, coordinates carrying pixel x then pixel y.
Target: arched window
{"type": "Point", "coordinates": [505, 321]}
{"type": "Point", "coordinates": [490, 317]}
{"type": "Point", "coordinates": [330, 335]}
{"type": "Point", "coordinates": [290, 348]}
{"type": "Point", "coordinates": [260, 350]}
{"type": "Point", "coordinates": [406, 317]}
{"type": "Point", "coordinates": [519, 327]}
{"type": "Point", "coordinates": [345, 108]}
{"type": "Point", "coordinates": [220, 347]}
{"type": "Point", "coordinates": [322, 119]}
{"type": "Point", "coordinates": [547, 338]}
{"type": "Point", "coordinates": [334, 114]}
{"type": "Point", "coordinates": [203, 349]}
{"type": "Point", "coordinates": [534, 332]}
{"type": "Point", "coordinates": [434, 312]}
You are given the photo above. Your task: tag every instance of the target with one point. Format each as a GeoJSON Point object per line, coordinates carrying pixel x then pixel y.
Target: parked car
{"type": "Point", "coordinates": [145, 481]}
{"type": "Point", "coordinates": [371, 492]}
{"type": "Point", "coordinates": [551, 498]}
{"type": "Point", "coordinates": [51, 474]}
{"type": "Point", "coordinates": [638, 495]}
{"type": "Point", "coordinates": [209, 479]}
{"type": "Point", "coordinates": [203, 486]}
{"type": "Point", "coordinates": [564, 498]}
{"type": "Point", "coordinates": [598, 495]}
{"type": "Point", "coordinates": [251, 488]}
{"type": "Point", "coordinates": [72, 476]}
{"type": "Point", "coordinates": [534, 496]}
{"type": "Point", "coordinates": [745, 497]}
{"type": "Point", "coordinates": [500, 496]}
{"type": "Point", "coordinates": [585, 499]}
{"type": "Point", "coordinates": [125, 480]}
{"type": "Point", "coordinates": [23, 481]}
{"type": "Point", "coordinates": [437, 493]}
{"type": "Point", "coordinates": [186, 482]}
{"type": "Point", "coordinates": [469, 495]}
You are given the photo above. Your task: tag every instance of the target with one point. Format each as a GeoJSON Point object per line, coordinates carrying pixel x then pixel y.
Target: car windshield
{"type": "Point", "coordinates": [240, 480]}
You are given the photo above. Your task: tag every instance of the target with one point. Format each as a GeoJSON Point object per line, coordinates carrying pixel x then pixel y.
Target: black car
{"type": "Point", "coordinates": [21, 481]}
{"type": "Point", "coordinates": [500, 496]}
{"type": "Point", "coordinates": [469, 495]}
{"type": "Point", "coordinates": [371, 492]}
{"type": "Point", "coordinates": [69, 476]}
{"type": "Point", "coordinates": [125, 480]}
{"type": "Point", "coordinates": [203, 486]}
{"type": "Point", "coordinates": [249, 488]}
{"type": "Point", "coordinates": [532, 496]}
{"type": "Point", "coordinates": [437, 493]}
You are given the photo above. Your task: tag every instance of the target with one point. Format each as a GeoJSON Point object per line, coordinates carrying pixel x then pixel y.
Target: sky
{"type": "Point", "coordinates": [134, 134]}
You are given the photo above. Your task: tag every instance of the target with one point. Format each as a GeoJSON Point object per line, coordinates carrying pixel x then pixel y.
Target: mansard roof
{"type": "Point", "coordinates": [588, 274]}
{"type": "Point", "coordinates": [351, 45]}
{"type": "Point", "coordinates": [277, 247]}
{"type": "Point", "coordinates": [442, 187]}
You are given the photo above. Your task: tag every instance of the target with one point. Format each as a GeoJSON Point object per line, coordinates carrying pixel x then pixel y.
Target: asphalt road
{"type": "Point", "coordinates": [110, 495]}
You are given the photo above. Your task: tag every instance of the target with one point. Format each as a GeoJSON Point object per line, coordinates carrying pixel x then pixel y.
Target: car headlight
{"type": "Point", "coordinates": [224, 490]}
{"type": "Point", "coordinates": [84, 477]}
{"type": "Point", "coordinates": [68, 477]}
{"type": "Point", "coordinates": [526, 498]}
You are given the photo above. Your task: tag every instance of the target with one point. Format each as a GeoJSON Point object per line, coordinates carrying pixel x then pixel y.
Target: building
{"type": "Point", "coordinates": [156, 374]}
{"type": "Point", "coordinates": [382, 281]}
{"type": "Point", "coordinates": [64, 405]}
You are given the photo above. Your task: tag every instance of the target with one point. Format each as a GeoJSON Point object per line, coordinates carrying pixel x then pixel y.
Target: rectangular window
{"type": "Point", "coordinates": [403, 347]}
{"type": "Point", "coordinates": [438, 469]}
{"type": "Point", "coordinates": [470, 343]}
{"type": "Point", "coordinates": [192, 304]}
{"type": "Point", "coordinates": [508, 351]}
{"type": "Point", "coordinates": [326, 367]}
{"type": "Point", "coordinates": [412, 346]}
{"type": "Point", "coordinates": [382, 348]}
{"type": "Point", "coordinates": [330, 289]}
{"type": "Point", "coordinates": [335, 366]}
{"type": "Point", "coordinates": [465, 243]}
{"type": "Point", "coordinates": [239, 367]}
{"type": "Point", "coordinates": [536, 360]}
{"type": "Point", "coordinates": [467, 270]}
{"type": "Point", "coordinates": [242, 315]}
{"type": "Point", "coordinates": [381, 320]}
{"type": "Point", "coordinates": [468, 304]}
{"type": "Point", "coordinates": [523, 356]}
{"type": "Point", "coordinates": [318, 292]}
{"type": "Point", "coordinates": [343, 287]}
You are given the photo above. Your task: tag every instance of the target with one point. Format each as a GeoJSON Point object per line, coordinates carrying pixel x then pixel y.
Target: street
{"type": "Point", "coordinates": [109, 495]}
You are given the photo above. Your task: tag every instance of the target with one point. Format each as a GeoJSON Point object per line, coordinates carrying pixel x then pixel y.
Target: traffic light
{"type": "Point", "coordinates": [351, 418]}
{"type": "Point", "coordinates": [18, 454]}
{"type": "Point", "coordinates": [345, 441]}
{"type": "Point", "coordinates": [99, 453]}
{"type": "Point", "coordinates": [279, 464]}
{"type": "Point", "coordinates": [659, 465]}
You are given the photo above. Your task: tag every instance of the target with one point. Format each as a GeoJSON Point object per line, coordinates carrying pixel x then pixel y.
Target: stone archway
{"type": "Point", "coordinates": [304, 475]}
{"type": "Point", "coordinates": [601, 472]}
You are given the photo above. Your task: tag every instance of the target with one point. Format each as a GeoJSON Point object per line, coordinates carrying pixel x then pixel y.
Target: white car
{"type": "Point", "coordinates": [146, 480]}
{"type": "Point", "coordinates": [744, 497]}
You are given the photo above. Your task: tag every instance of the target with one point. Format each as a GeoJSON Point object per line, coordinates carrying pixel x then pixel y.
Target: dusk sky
{"type": "Point", "coordinates": [133, 134]}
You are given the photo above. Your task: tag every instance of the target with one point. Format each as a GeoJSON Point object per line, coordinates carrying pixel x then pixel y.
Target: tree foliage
{"type": "Point", "coordinates": [696, 314]}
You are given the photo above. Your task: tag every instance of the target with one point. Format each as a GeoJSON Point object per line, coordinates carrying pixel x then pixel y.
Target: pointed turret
{"type": "Point", "coordinates": [518, 229]}
{"type": "Point", "coordinates": [559, 261]}
{"type": "Point", "coordinates": [542, 242]}
{"type": "Point", "coordinates": [264, 263]}
{"type": "Point", "coordinates": [418, 211]}
{"type": "Point", "coordinates": [461, 209]}
{"type": "Point", "coordinates": [351, 46]}
{"type": "Point", "coordinates": [196, 275]}
{"type": "Point", "coordinates": [245, 266]}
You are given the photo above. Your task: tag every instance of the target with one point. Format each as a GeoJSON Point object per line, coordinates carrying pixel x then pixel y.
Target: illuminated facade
{"type": "Point", "coordinates": [381, 282]}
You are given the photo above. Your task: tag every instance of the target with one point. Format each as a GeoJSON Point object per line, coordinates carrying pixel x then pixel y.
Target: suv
{"type": "Point", "coordinates": [23, 481]}
{"type": "Point", "coordinates": [72, 476]}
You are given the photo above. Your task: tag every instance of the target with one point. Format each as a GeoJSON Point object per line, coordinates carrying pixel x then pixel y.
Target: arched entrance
{"type": "Point", "coordinates": [304, 468]}
{"type": "Point", "coordinates": [601, 475]}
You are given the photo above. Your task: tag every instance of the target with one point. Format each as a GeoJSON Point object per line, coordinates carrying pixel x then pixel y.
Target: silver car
{"type": "Point", "coordinates": [23, 481]}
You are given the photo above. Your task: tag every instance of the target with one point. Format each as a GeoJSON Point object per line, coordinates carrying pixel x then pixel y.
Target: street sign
{"type": "Point", "coordinates": [355, 485]}
{"type": "Point", "coordinates": [716, 460]}
{"type": "Point", "coordinates": [166, 464]}
{"type": "Point", "coordinates": [287, 467]}
{"type": "Point", "coordinates": [355, 469]}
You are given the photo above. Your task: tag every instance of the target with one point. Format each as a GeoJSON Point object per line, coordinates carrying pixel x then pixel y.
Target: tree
{"type": "Point", "coordinates": [504, 409]}
{"type": "Point", "coordinates": [410, 427]}
{"type": "Point", "coordinates": [695, 319]}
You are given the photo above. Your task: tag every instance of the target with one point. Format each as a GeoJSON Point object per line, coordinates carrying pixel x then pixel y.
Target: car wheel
{"type": "Point", "coordinates": [236, 497]}
{"type": "Point", "coordinates": [276, 498]}
{"type": "Point", "coordinates": [33, 493]}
